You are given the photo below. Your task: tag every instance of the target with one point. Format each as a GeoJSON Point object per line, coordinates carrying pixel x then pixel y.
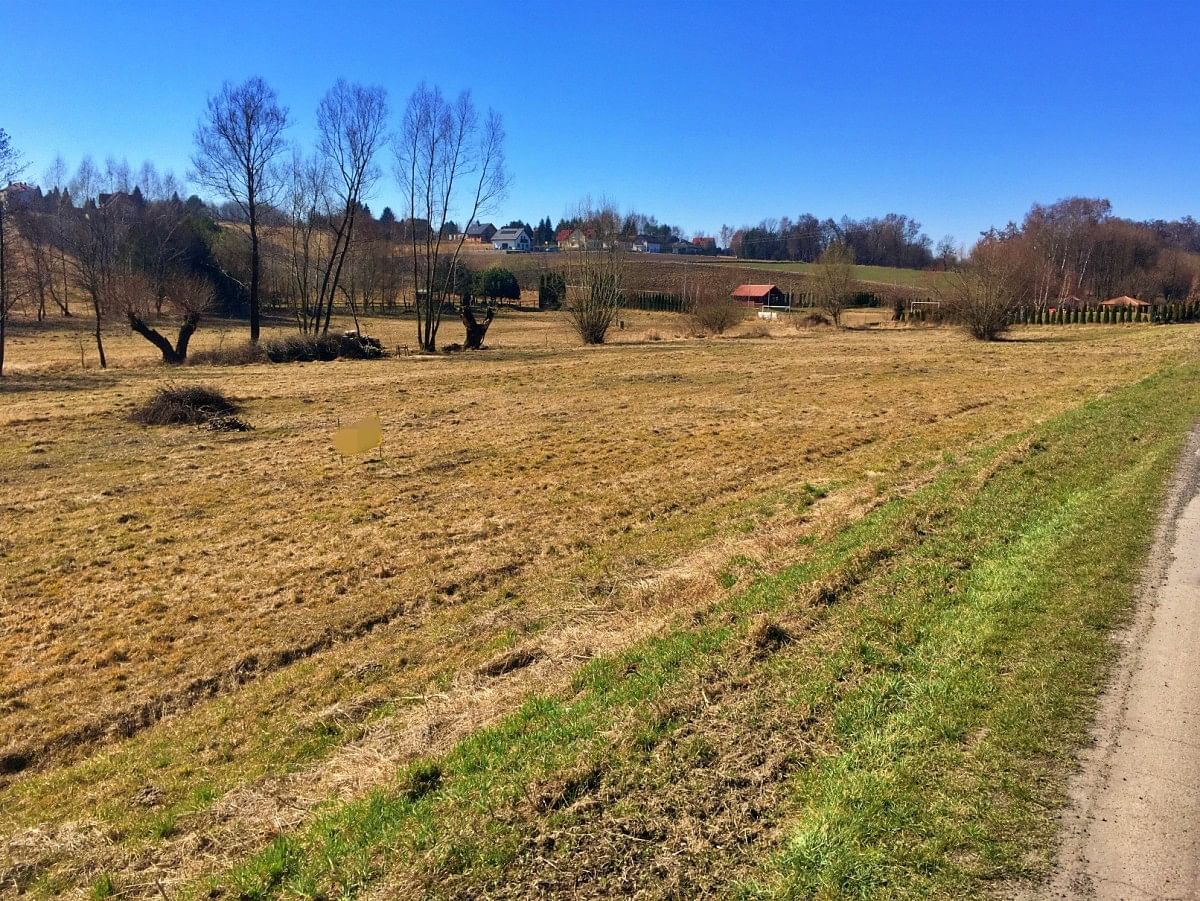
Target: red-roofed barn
{"type": "Point", "coordinates": [758, 295]}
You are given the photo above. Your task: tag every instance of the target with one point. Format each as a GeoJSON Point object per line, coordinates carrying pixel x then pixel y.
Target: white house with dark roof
{"type": "Point", "coordinates": [513, 240]}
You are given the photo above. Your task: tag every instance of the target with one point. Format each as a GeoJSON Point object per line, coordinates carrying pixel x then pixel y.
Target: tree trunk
{"type": "Point", "coordinates": [99, 338]}
{"type": "Point", "coordinates": [476, 330]}
{"type": "Point", "coordinates": [172, 356]}
{"type": "Point", "coordinates": [186, 331]}
{"type": "Point", "coordinates": [3, 288]}
{"type": "Point", "coordinates": [254, 266]}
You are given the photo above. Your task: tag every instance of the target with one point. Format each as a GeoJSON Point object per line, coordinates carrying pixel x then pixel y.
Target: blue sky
{"type": "Point", "coordinates": [702, 113]}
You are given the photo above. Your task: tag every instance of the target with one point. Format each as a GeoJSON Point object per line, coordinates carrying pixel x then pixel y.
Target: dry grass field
{"type": "Point", "coordinates": [668, 272]}
{"type": "Point", "coordinates": [206, 637]}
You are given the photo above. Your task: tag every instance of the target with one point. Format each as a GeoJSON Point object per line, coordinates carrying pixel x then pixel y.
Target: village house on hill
{"type": "Point", "coordinates": [480, 232]}
{"type": "Point", "coordinates": [515, 240]}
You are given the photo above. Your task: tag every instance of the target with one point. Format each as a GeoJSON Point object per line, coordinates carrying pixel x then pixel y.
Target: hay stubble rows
{"type": "Point", "coordinates": [538, 501]}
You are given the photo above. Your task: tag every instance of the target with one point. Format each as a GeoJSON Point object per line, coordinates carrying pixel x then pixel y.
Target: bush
{"type": "Point", "coordinates": [552, 290]}
{"type": "Point", "coordinates": [241, 354]}
{"type": "Point", "coordinates": [497, 283]}
{"type": "Point", "coordinates": [599, 300]}
{"type": "Point", "coordinates": [294, 349]}
{"type": "Point", "coordinates": [810, 320]}
{"type": "Point", "coordinates": [190, 405]}
{"type": "Point", "coordinates": [302, 348]}
{"type": "Point", "coordinates": [715, 314]}
{"type": "Point", "coordinates": [983, 296]}
{"type": "Point", "coordinates": [757, 329]}
{"type": "Point", "coordinates": [353, 346]}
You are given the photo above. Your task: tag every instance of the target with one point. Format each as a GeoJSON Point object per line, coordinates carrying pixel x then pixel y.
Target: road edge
{"type": "Point", "coordinates": [1092, 773]}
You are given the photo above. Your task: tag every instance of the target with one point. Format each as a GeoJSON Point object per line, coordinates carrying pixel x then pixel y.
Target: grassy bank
{"type": "Point", "coordinates": [891, 717]}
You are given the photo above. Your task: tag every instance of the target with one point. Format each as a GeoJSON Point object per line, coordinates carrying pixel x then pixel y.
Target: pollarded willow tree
{"type": "Point", "coordinates": [238, 140]}
{"type": "Point", "coordinates": [449, 161]}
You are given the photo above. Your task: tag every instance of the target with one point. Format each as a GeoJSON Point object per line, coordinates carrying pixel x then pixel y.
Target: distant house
{"type": "Point", "coordinates": [1070, 302]}
{"type": "Point", "coordinates": [117, 198]}
{"type": "Point", "coordinates": [19, 194]}
{"type": "Point", "coordinates": [705, 244]}
{"type": "Point", "coordinates": [512, 239]}
{"type": "Point", "coordinates": [759, 295]}
{"type": "Point", "coordinates": [480, 232]}
{"type": "Point", "coordinates": [647, 244]}
{"type": "Point", "coordinates": [563, 236]}
{"type": "Point", "coordinates": [583, 240]}
{"type": "Point", "coordinates": [1125, 302]}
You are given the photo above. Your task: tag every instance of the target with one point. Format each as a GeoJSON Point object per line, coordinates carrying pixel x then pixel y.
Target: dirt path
{"type": "Point", "coordinates": [1133, 830]}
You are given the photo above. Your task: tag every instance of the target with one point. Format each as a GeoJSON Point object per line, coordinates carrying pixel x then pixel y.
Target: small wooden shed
{"type": "Point", "coordinates": [759, 295]}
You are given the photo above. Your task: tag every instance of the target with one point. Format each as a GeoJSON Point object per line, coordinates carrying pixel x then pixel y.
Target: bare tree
{"type": "Point", "coordinates": [448, 160]}
{"type": "Point", "coordinates": [834, 275]}
{"type": "Point", "coordinates": [237, 141]}
{"type": "Point", "coordinates": [37, 267]}
{"type": "Point", "coordinates": [99, 258]}
{"type": "Point", "coordinates": [351, 122]}
{"type": "Point", "coordinates": [10, 167]}
{"type": "Point", "coordinates": [308, 191]}
{"type": "Point", "coordinates": [984, 294]}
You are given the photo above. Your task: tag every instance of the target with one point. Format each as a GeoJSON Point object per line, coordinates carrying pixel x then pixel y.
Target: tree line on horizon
{"type": "Point", "coordinates": [126, 243]}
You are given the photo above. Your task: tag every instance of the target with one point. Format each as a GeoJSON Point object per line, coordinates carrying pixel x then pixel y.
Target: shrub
{"type": "Point", "coordinates": [552, 290]}
{"type": "Point", "coordinates": [810, 320]}
{"type": "Point", "coordinates": [653, 335]}
{"type": "Point", "coordinates": [599, 300]}
{"type": "Point", "coordinates": [497, 283]}
{"type": "Point", "coordinates": [190, 405]}
{"type": "Point", "coordinates": [757, 329]}
{"type": "Point", "coordinates": [242, 354]}
{"type": "Point", "coordinates": [302, 348]}
{"type": "Point", "coordinates": [293, 349]}
{"type": "Point", "coordinates": [715, 314]}
{"type": "Point", "coordinates": [353, 346]}
{"type": "Point", "coordinates": [982, 297]}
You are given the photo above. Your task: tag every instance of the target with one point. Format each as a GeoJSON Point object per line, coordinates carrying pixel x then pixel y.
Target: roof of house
{"type": "Point", "coordinates": [1124, 301]}
{"type": "Point", "coordinates": [564, 235]}
{"type": "Point", "coordinates": [478, 228]}
{"type": "Point", "coordinates": [508, 234]}
{"type": "Point", "coordinates": [754, 290]}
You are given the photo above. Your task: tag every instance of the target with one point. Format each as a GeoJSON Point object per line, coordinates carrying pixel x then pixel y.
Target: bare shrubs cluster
{"type": "Point", "coordinates": [299, 348]}
{"type": "Point", "coordinates": [710, 312]}
{"type": "Point", "coordinates": [598, 296]}
{"type": "Point", "coordinates": [834, 277]}
{"type": "Point", "coordinates": [984, 294]}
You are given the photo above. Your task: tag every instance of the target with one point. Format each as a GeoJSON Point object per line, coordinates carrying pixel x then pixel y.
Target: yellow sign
{"type": "Point", "coordinates": [359, 437]}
